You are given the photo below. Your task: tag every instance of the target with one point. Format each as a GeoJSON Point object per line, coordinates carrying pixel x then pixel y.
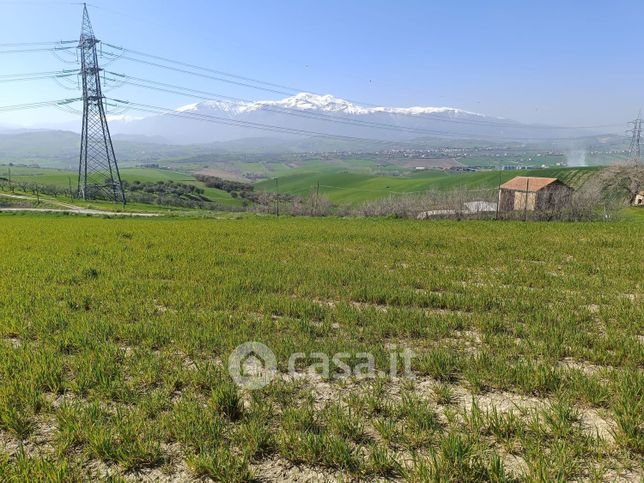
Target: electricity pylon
{"type": "Point", "coordinates": [98, 172]}
{"type": "Point", "coordinates": [634, 152]}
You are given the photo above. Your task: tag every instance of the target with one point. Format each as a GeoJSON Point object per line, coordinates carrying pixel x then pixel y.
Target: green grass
{"type": "Point", "coordinates": [61, 179]}
{"type": "Point", "coordinates": [115, 336]}
{"type": "Point", "coordinates": [347, 187]}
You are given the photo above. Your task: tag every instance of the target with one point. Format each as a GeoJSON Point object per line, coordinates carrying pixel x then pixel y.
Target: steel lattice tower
{"type": "Point", "coordinates": [98, 172]}
{"type": "Point", "coordinates": [634, 149]}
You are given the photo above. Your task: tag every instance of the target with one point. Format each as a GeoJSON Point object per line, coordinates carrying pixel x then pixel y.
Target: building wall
{"type": "Point", "coordinates": [520, 199]}
{"type": "Point", "coordinates": [506, 200]}
{"type": "Point", "coordinates": [550, 198]}
{"type": "Point", "coordinates": [554, 197]}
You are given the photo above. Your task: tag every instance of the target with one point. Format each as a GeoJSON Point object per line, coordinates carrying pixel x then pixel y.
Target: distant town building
{"type": "Point", "coordinates": [461, 169]}
{"type": "Point", "coordinates": [531, 193]}
{"type": "Point", "coordinates": [517, 167]}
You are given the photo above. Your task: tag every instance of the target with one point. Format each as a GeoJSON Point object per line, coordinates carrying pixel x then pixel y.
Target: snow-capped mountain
{"type": "Point", "coordinates": [314, 102]}
{"type": "Point", "coordinates": [312, 115]}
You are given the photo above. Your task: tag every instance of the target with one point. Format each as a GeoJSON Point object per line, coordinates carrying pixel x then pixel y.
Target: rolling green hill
{"type": "Point", "coordinates": [346, 187]}
{"type": "Point", "coordinates": [338, 184]}
{"type": "Point", "coordinates": [61, 179]}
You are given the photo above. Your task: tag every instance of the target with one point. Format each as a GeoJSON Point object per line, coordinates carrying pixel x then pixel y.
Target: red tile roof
{"type": "Point", "coordinates": [527, 183]}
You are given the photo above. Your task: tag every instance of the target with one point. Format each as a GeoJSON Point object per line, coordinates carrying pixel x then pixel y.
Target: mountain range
{"type": "Point", "coordinates": [304, 123]}
{"type": "Point", "coordinates": [326, 116]}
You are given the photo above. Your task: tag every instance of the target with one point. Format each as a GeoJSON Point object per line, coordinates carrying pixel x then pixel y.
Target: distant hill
{"type": "Point", "coordinates": [54, 148]}
{"type": "Point", "coordinates": [61, 149]}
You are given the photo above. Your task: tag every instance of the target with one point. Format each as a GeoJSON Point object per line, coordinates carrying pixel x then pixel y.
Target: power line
{"type": "Point", "coordinates": [183, 67]}
{"type": "Point", "coordinates": [37, 105]}
{"type": "Point", "coordinates": [35, 76]}
{"type": "Point", "coordinates": [412, 144]}
{"type": "Point", "coordinates": [36, 49]}
{"type": "Point", "coordinates": [207, 69]}
{"type": "Point", "coordinates": [40, 4]}
{"type": "Point", "coordinates": [273, 87]}
{"type": "Point", "coordinates": [197, 74]}
{"type": "Point", "coordinates": [169, 88]}
{"type": "Point", "coordinates": [34, 44]}
{"type": "Point", "coordinates": [31, 74]}
{"type": "Point", "coordinates": [289, 91]}
{"type": "Point", "coordinates": [167, 26]}
{"type": "Point", "coordinates": [261, 126]}
{"type": "Point", "coordinates": [320, 116]}
{"type": "Point", "coordinates": [198, 94]}
{"type": "Point", "coordinates": [248, 124]}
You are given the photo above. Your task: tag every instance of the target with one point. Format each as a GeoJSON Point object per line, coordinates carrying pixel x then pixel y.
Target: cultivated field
{"type": "Point", "coordinates": [343, 187]}
{"type": "Point", "coordinates": [115, 336]}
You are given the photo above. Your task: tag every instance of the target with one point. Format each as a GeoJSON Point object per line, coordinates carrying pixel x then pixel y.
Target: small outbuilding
{"type": "Point", "coordinates": [531, 193]}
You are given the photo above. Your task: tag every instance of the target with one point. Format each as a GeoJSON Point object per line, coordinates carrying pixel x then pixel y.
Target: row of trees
{"type": "Point", "coordinates": [163, 187]}
{"type": "Point", "coordinates": [227, 185]}
{"type": "Point", "coordinates": [33, 188]}
{"type": "Point", "coordinates": [163, 193]}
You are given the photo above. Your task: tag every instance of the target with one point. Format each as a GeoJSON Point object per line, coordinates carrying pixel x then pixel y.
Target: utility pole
{"type": "Point", "coordinates": [277, 197]}
{"type": "Point", "coordinates": [634, 150]}
{"type": "Point", "coordinates": [525, 205]}
{"type": "Point", "coordinates": [98, 172]}
{"type": "Point", "coordinates": [498, 197]}
{"type": "Point", "coordinates": [317, 196]}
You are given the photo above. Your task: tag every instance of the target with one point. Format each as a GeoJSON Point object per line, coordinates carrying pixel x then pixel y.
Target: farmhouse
{"type": "Point", "coordinates": [533, 194]}
{"type": "Point", "coordinates": [638, 199]}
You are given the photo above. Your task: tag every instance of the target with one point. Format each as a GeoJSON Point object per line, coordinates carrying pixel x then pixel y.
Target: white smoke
{"type": "Point", "coordinates": [576, 157]}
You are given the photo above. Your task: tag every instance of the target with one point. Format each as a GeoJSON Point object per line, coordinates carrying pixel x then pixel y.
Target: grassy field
{"type": "Point", "coordinates": [61, 179]}
{"type": "Point", "coordinates": [115, 337]}
{"type": "Point", "coordinates": [345, 187]}
{"type": "Point", "coordinates": [273, 169]}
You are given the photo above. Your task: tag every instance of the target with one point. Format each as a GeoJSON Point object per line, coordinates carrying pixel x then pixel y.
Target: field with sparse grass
{"type": "Point", "coordinates": [115, 336]}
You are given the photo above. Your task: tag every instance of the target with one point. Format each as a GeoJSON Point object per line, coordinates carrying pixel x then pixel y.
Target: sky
{"type": "Point", "coordinates": [555, 62]}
